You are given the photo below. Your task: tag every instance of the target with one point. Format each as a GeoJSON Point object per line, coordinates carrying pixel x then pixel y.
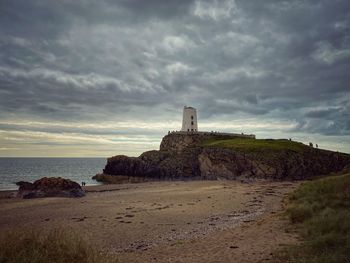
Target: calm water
{"type": "Point", "coordinates": [30, 169]}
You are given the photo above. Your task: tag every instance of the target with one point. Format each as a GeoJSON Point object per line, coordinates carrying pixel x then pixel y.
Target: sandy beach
{"type": "Point", "coordinates": [196, 221]}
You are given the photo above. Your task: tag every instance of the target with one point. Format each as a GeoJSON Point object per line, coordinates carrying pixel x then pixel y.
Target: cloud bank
{"type": "Point", "coordinates": [97, 78]}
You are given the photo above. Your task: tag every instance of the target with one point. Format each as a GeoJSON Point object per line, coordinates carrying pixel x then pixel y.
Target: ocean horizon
{"type": "Point", "coordinates": [78, 169]}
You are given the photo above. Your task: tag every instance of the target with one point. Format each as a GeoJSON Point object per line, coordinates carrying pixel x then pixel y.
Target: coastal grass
{"type": "Point", "coordinates": [320, 211]}
{"type": "Point", "coordinates": [255, 144]}
{"type": "Point", "coordinates": [56, 246]}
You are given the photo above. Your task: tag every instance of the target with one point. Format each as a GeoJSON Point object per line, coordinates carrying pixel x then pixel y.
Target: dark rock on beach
{"type": "Point", "coordinates": [49, 187]}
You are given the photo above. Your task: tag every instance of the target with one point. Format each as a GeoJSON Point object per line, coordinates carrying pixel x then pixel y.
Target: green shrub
{"type": "Point", "coordinates": [56, 246]}
{"type": "Point", "coordinates": [300, 213]}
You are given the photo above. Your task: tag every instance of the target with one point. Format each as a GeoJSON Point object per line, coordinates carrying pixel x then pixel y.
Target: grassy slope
{"type": "Point", "coordinates": [320, 210]}
{"type": "Point", "coordinates": [57, 246]}
{"type": "Point", "coordinates": [255, 144]}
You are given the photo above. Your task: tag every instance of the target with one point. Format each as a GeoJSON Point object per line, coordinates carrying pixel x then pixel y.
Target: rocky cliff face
{"type": "Point", "coordinates": [183, 156]}
{"type": "Point", "coordinates": [286, 164]}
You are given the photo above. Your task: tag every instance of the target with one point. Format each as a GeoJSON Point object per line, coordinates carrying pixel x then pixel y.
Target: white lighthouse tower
{"type": "Point", "coordinates": [189, 120]}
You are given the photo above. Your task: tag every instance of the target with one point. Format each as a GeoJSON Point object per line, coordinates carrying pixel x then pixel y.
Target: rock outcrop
{"type": "Point", "coordinates": [186, 156]}
{"type": "Point", "coordinates": [49, 187]}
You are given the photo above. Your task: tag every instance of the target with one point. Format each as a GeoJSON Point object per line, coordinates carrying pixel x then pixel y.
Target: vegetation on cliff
{"type": "Point", "coordinates": [247, 144]}
{"type": "Point", "coordinates": [320, 210]}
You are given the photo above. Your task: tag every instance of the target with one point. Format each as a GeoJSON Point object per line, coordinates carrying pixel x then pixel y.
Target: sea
{"type": "Point", "coordinates": [79, 170]}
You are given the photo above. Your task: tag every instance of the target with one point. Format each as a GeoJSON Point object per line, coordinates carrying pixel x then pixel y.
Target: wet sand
{"type": "Point", "coordinates": [197, 221]}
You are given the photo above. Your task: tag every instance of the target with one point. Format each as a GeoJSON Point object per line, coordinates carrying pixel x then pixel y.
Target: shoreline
{"type": "Point", "coordinates": [105, 187]}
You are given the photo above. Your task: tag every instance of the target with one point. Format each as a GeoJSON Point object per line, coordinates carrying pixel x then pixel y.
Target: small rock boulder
{"type": "Point", "coordinates": [49, 187]}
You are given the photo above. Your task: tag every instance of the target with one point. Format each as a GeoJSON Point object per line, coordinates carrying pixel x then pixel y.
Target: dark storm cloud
{"type": "Point", "coordinates": [157, 8]}
{"type": "Point", "coordinates": [133, 59]}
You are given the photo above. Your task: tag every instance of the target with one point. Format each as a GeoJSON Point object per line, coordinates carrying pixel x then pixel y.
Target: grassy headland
{"type": "Point", "coordinates": [320, 210]}
{"type": "Point", "coordinates": [255, 144]}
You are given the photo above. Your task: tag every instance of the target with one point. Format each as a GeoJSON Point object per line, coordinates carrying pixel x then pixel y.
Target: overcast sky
{"type": "Point", "coordinates": [100, 78]}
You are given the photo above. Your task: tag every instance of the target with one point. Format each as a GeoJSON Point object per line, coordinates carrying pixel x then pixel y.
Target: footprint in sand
{"type": "Point", "coordinates": [78, 219]}
{"type": "Point", "coordinates": [126, 222]}
{"type": "Point", "coordinates": [233, 246]}
{"type": "Point", "coordinates": [164, 207]}
{"type": "Point", "coordinates": [129, 215]}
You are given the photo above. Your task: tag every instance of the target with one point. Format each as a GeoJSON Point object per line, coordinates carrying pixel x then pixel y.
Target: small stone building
{"type": "Point", "coordinates": [189, 120]}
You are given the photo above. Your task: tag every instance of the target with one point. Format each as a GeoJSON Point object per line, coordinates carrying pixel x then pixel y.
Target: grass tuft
{"type": "Point", "coordinates": [57, 246]}
{"type": "Point", "coordinates": [320, 209]}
